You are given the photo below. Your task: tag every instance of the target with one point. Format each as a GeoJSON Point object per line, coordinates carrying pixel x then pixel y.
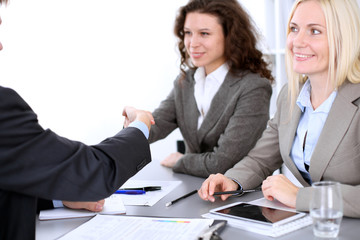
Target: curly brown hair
{"type": "Point", "coordinates": [240, 34]}
{"type": "Point", "coordinates": [3, 1]}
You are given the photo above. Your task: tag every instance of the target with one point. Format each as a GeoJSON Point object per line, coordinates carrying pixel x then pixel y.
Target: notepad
{"type": "Point", "coordinates": [264, 220]}
{"type": "Point", "coordinates": [113, 205]}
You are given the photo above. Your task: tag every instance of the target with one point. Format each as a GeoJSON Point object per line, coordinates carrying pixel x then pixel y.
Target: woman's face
{"type": "Point", "coordinates": [307, 40]}
{"type": "Point", "coordinates": [204, 41]}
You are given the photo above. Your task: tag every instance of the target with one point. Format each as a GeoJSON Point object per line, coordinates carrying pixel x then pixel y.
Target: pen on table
{"type": "Point", "coordinates": [134, 192]}
{"type": "Point", "coordinates": [236, 192]}
{"type": "Point", "coordinates": [178, 199]}
{"type": "Point", "coordinates": [146, 189]}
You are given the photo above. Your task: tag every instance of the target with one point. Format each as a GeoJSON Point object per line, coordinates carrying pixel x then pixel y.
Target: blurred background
{"type": "Point", "coordinates": [78, 63]}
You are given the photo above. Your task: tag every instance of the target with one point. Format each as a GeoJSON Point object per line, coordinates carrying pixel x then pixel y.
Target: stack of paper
{"type": "Point", "coordinates": [113, 205]}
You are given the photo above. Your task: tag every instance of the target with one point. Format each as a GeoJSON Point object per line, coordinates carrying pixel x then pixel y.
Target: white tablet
{"type": "Point", "coordinates": [258, 214]}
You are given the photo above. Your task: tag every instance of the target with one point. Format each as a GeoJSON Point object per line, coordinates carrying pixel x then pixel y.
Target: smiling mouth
{"type": "Point", "coordinates": [196, 55]}
{"type": "Point", "coordinates": [302, 56]}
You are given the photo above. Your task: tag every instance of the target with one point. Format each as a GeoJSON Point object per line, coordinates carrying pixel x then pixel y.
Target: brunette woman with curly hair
{"type": "Point", "coordinates": [220, 100]}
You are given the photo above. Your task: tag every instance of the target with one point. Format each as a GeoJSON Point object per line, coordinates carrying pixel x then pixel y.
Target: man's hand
{"type": "Point", "coordinates": [132, 114]}
{"type": "Point", "coordinates": [91, 206]}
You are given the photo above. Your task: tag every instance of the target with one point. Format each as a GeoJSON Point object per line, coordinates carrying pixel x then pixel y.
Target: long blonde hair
{"type": "Point", "coordinates": [343, 25]}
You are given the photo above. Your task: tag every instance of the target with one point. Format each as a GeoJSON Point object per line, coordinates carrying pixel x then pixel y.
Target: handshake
{"type": "Point", "coordinates": [132, 114]}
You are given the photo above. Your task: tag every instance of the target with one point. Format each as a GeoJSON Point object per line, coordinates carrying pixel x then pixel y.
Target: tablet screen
{"type": "Point", "coordinates": [256, 213]}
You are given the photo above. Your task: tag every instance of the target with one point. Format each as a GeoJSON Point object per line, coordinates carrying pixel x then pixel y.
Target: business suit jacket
{"type": "Point", "coordinates": [236, 119]}
{"type": "Point", "coordinates": [336, 156]}
{"type": "Point", "coordinates": [37, 163]}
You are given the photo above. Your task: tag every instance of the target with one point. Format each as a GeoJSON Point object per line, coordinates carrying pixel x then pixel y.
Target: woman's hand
{"type": "Point", "coordinates": [281, 188]}
{"type": "Point", "coordinates": [171, 160]}
{"type": "Point", "coordinates": [216, 183]}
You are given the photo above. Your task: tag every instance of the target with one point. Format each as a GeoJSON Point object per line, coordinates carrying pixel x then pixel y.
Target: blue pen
{"type": "Point", "coordinates": [136, 192]}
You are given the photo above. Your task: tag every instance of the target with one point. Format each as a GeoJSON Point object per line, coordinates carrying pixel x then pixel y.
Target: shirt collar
{"type": "Point", "coordinates": [199, 74]}
{"type": "Point", "coordinates": [218, 75]}
{"type": "Point", "coordinates": [303, 100]}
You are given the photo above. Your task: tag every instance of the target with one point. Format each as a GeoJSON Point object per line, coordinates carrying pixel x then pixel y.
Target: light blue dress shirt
{"type": "Point", "coordinates": [137, 124]}
{"type": "Point", "coordinates": [141, 126]}
{"type": "Point", "coordinates": [310, 126]}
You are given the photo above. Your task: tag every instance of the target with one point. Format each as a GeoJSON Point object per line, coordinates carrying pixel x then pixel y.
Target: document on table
{"type": "Point", "coordinates": [138, 228]}
{"type": "Point", "coordinates": [113, 205]}
{"type": "Point", "coordinates": [150, 197]}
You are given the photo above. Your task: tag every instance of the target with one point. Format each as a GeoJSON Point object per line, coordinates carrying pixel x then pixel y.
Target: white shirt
{"type": "Point", "coordinates": [206, 87]}
{"type": "Point", "coordinates": [310, 124]}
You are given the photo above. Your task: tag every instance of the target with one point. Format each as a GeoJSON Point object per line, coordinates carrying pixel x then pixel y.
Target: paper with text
{"type": "Point", "coordinates": [138, 228]}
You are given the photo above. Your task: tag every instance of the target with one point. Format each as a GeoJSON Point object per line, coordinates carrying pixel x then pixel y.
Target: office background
{"type": "Point", "coordinates": [78, 63]}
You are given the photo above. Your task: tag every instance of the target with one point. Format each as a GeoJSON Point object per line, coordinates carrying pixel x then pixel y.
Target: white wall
{"type": "Point", "coordinates": [78, 63]}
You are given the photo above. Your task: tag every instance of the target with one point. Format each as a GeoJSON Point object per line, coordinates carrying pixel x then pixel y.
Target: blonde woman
{"type": "Point", "coordinates": [316, 130]}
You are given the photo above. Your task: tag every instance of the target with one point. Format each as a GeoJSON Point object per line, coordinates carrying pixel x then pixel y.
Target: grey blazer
{"type": "Point", "coordinates": [336, 156]}
{"type": "Point", "coordinates": [236, 119]}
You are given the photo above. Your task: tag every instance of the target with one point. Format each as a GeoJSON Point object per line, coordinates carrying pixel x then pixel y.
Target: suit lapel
{"type": "Point", "coordinates": [336, 125]}
{"type": "Point", "coordinates": [288, 135]}
{"type": "Point", "coordinates": [191, 112]}
{"type": "Point", "coordinates": [217, 107]}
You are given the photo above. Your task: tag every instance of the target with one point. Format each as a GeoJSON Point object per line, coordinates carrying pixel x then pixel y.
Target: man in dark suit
{"type": "Point", "coordinates": [37, 163]}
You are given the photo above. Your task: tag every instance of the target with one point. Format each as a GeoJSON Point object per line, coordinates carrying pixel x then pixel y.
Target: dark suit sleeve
{"type": "Point", "coordinates": [44, 204]}
{"type": "Point", "coordinates": [40, 163]}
